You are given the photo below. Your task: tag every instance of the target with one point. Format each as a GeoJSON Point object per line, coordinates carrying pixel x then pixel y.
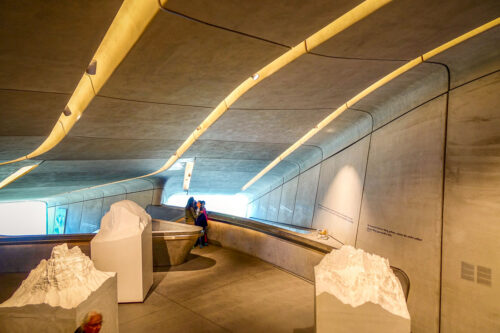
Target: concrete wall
{"type": "Point", "coordinates": [423, 190]}
{"type": "Point", "coordinates": [86, 208]}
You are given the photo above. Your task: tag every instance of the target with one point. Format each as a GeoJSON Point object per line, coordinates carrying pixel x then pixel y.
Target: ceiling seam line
{"type": "Point", "coordinates": [35, 91]}
{"type": "Point", "coordinates": [170, 11]}
{"type": "Point", "coordinates": [356, 58]}
{"type": "Point", "coordinates": [153, 102]}
{"type": "Point", "coordinates": [173, 12]}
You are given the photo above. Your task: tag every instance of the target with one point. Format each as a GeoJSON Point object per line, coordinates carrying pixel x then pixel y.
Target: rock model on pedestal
{"type": "Point", "coordinates": [58, 293]}
{"type": "Point", "coordinates": [358, 292]}
{"type": "Point", "coordinates": [124, 245]}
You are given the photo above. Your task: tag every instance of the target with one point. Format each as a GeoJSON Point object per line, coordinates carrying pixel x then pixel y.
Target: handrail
{"type": "Point", "coordinates": [42, 239]}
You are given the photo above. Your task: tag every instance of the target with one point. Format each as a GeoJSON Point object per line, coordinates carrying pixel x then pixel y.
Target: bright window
{"type": "Point", "coordinates": [23, 218]}
{"type": "Point", "coordinates": [227, 204]}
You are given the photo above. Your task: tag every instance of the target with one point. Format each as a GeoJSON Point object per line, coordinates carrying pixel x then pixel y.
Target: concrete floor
{"type": "Point", "coordinates": [216, 290]}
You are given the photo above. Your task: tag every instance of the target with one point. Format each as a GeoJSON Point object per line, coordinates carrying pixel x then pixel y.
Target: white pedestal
{"type": "Point", "coordinates": [334, 316]}
{"type": "Point", "coordinates": [132, 258]}
{"type": "Point", "coordinates": [46, 318]}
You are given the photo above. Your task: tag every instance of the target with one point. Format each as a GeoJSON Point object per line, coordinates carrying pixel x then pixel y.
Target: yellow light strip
{"type": "Point", "coordinates": [354, 15]}
{"type": "Point", "coordinates": [128, 25]}
{"type": "Point", "coordinates": [391, 76]}
{"type": "Point", "coordinates": [19, 173]}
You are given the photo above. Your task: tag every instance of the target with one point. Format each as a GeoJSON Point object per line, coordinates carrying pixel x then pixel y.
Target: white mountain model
{"type": "Point", "coordinates": [356, 277]}
{"type": "Point", "coordinates": [65, 280]}
{"type": "Point", "coordinates": [124, 219]}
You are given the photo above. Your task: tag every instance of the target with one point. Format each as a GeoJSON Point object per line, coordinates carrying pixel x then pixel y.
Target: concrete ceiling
{"type": "Point", "coordinates": [189, 59]}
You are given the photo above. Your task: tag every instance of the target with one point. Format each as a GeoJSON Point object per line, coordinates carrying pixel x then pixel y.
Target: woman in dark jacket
{"type": "Point", "coordinates": [202, 221]}
{"type": "Point", "coordinates": [190, 211]}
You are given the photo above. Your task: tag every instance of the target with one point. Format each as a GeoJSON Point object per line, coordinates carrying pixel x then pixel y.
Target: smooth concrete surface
{"type": "Point", "coordinates": [222, 290]}
{"type": "Point", "coordinates": [263, 206]}
{"type": "Point", "coordinates": [401, 208]}
{"type": "Point", "coordinates": [295, 258]}
{"type": "Point", "coordinates": [404, 30]}
{"type": "Point", "coordinates": [471, 209]}
{"type": "Point", "coordinates": [340, 189]}
{"type": "Point", "coordinates": [44, 55]}
{"type": "Point", "coordinates": [334, 316]}
{"type": "Point", "coordinates": [406, 92]}
{"type": "Point", "coordinates": [142, 198]}
{"type": "Point", "coordinates": [134, 123]}
{"type": "Point", "coordinates": [91, 215]}
{"type": "Point", "coordinates": [296, 88]}
{"type": "Point", "coordinates": [84, 216]}
{"type": "Point", "coordinates": [274, 204]}
{"type": "Point", "coordinates": [271, 19]}
{"type": "Point", "coordinates": [474, 58]}
{"type": "Point", "coordinates": [73, 218]}
{"type": "Point", "coordinates": [306, 196]}
{"type": "Point", "coordinates": [216, 290]}
{"type": "Point", "coordinates": [347, 129]}
{"type": "Point", "coordinates": [287, 204]}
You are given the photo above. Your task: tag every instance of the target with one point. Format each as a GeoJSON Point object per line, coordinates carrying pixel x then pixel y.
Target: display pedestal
{"type": "Point", "coordinates": [132, 258]}
{"type": "Point", "coordinates": [46, 318]}
{"type": "Point", "coordinates": [334, 316]}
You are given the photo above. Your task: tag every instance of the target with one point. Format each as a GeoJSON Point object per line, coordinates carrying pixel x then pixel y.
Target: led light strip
{"type": "Point", "coordinates": [391, 76]}
{"type": "Point", "coordinates": [128, 25]}
{"type": "Point", "coordinates": [340, 24]}
{"type": "Point", "coordinates": [19, 173]}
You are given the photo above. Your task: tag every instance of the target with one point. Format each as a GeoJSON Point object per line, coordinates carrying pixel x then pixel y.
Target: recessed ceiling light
{"type": "Point", "coordinates": [67, 112]}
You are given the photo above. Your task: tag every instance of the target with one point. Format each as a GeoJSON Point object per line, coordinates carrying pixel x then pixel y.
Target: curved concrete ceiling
{"type": "Point", "coordinates": [180, 69]}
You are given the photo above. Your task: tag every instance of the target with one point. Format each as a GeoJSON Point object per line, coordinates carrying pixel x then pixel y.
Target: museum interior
{"type": "Point", "coordinates": [360, 141]}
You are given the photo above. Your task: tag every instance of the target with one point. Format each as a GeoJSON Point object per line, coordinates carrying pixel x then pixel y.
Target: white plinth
{"type": "Point", "coordinates": [46, 318]}
{"type": "Point", "coordinates": [334, 316]}
{"type": "Point", "coordinates": [124, 245]}
{"type": "Point", "coordinates": [132, 259]}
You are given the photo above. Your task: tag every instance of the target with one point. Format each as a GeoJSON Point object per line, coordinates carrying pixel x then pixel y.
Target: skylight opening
{"type": "Point", "coordinates": [227, 204]}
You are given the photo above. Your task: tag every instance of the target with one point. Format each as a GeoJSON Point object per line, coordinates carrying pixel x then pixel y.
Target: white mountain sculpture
{"type": "Point", "coordinates": [356, 277]}
{"type": "Point", "coordinates": [58, 293]}
{"type": "Point", "coordinates": [65, 280]}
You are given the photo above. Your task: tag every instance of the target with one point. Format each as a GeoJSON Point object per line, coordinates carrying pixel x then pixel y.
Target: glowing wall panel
{"type": "Point", "coordinates": [339, 192]}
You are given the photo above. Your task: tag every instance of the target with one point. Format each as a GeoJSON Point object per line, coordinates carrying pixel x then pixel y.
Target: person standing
{"type": "Point", "coordinates": [202, 221]}
{"type": "Point", "coordinates": [190, 212]}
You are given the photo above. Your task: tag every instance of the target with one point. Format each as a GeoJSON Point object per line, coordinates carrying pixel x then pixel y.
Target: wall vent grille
{"type": "Point", "coordinates": [467, 271]}
{"type": "Point", "coordinates": [484, 275]}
